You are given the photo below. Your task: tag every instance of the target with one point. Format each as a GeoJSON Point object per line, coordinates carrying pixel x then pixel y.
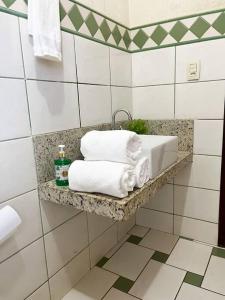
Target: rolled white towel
{"type": "Point", "coordinates": [104, 177]}
{"type": "Point", "coordinates": [114, 145]}
{"type": "Point", "coordinates": [142, 171]}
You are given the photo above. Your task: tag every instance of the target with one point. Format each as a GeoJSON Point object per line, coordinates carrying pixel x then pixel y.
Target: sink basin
{"type": "Point", "coordinates": [161, 150]}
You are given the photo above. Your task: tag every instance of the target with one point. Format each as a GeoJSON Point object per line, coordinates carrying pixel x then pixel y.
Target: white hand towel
{"type": "Point", "coordinates": [104, 177]}
{"type": "Point", "coordinates": [114, 145]}
{"type": "Point", "coordinates": [44, 26]}
{"type": "Point", "coordinates": [142, 171]}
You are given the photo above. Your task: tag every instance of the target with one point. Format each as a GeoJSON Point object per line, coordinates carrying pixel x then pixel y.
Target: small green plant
{"type": "Point", "coordinates": [138, 126]}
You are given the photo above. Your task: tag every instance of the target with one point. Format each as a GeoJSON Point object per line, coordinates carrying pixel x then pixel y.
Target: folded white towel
{"type": "Point", "coordinates": [114, 145]}
{"type": "Point", "coordinates": [142, 171]}
{"type": "Point", "coordinates": [44, 26]}
{"type": "Point", "coordinates": [104, 177]}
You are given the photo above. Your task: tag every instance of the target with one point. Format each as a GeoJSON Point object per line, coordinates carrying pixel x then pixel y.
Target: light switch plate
{"type": "Point", "coordinates": [193, 71]}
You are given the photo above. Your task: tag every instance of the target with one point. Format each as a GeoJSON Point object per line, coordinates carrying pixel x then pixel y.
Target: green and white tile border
{"type": "Point", "coordinates": [78, 19]}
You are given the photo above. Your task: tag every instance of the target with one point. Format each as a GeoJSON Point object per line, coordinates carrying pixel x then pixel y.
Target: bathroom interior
{"type": "Point", "coordinates": [112, 154]}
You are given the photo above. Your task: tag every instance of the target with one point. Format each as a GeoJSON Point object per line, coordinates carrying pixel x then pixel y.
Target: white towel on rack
{"type": "Point", "coordinates": [142, 171]}
{"type": "Point", "coordinates": [44, 27]}
{"type": "Point", "coordinates": [104, 177]}
{"type": "Point", "coordinates": [113, 145]}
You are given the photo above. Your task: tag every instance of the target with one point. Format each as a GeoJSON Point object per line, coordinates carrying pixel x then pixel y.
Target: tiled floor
{"type": "Point", "coordinates": [151, 264]}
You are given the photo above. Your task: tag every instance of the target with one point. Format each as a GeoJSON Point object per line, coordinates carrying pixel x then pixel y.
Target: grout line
{"type": "Point", "coordinates": [38, 289]}
{"type": "Point", "coordinates": [196, 187]}
{"type": "Point", "coordinates": [76, 70]}
{"type": "Point", "coordinates": [163, 212]}
{"type": "Point", "coordinates": [17, 138]}
{"type": "Point", "coordinates": [27, 245]}
{"type": "Point", "coordinates": [24, 73]}
{"type": "Point", "coordinates": [88, 235]}
{"type": "Point", "coordinates": [14, 197]}
{"type": "Point", "coordinates": [110, 80]}
{"type": "Point", "coordinates": [179, 83]}
{"type": "Point", "coordinates": [67, 220]}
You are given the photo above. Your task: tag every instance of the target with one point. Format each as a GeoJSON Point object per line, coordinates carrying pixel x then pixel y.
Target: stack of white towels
{"type": "Point", "coordinates": [113, 164]}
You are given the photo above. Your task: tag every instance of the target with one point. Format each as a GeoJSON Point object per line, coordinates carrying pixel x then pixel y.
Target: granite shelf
{"type": "Point", "coordinates": [108, 206]}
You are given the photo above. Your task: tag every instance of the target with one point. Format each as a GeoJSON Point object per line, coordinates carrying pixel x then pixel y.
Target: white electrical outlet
{"type": "Point", "coordinates": [193, 71]}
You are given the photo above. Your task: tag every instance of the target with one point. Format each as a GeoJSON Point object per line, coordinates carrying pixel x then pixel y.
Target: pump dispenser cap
{"type": "Point", "coordinates": [61, 150]}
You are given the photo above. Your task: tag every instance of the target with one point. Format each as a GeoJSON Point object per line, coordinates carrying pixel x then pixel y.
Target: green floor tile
{"type": "Point", "coordinates": [218, 252]}
{"type": "Point", "coordinates": [159, 256]}
{"type": "Point", "coordinates": [123, 284]}
{"type": "Point", "coordinates": [134, 239]}
{"type": "Point", "coordinates": [102, 262]}
{"type": "Point", "coordinates": [193, 279]}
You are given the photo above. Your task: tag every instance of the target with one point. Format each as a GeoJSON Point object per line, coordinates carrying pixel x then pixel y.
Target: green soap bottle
{"type": "Point", "coordinates": [62, 165]}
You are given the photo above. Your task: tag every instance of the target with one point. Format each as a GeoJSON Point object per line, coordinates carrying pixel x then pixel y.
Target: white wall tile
{"type": "Point", "coordinates": [53, 106]}
{"type": "Point", "coordinates": [65, 242]}
{"type": "Point", "coordinates": [27, 206]}
{"type": "Point", "coordinates": [211, 57]}
{"type": "Point", "coordinates": [163, 200]}
{"type": "Point", "coordinates": [118, 10]}
{"type": "Point", "coordinates": [10, 65]}
{"type": "Point", "coordinates": [37, 68]}
{"type": "Point", "coordinates": [95, 104]}
{"type": "Point", "coordinates": [92, 61]}
{"type": "Point", "coordinates": [63, 281]}
{"type": "Point", "coordinates": [125, 226]}
{"type": "Point", "coordinates": [121, 99]}
{"type": "Point", "coordinates": [204, 172]}
{"type": "Point", "coordinates": [97, 225]}
{"type": "Point", "coordinates": [196, 229]}
{"type": "Point", "coordinates": [121, 67]}
{"type": "Point", "coordinates": [154, 219]}
{"type": "Point", "coordinates": [196, 203]}
{"type": "Point", "coordinates": [54, 214]}
{"type": "Point", "coordinates": [14, 122]}
{"type": "Point", "coordinates": [98, 5]}
{"type": "Point", "coordinates": [23, 273]}
{"type": "Point", "coordinates": [103, 244]}
{"type": "Point", "coordinates": [203, 100]}
{"type": "Point", "coordinates": [153, 67]}
{"type": "Point", "coordinates": [17, 162]}
{"type": "Point", "coordinates": [41, 294]}
{"type": "Point", "coordinates": [153, 102]}
{"type": "Point", "coordinates": [208, 137]}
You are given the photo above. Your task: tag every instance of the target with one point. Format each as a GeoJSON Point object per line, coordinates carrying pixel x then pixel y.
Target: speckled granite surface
{"type": "Point", "coordinates": [117, 209]}
{"type": "Point", "coordinates": [45, 145]}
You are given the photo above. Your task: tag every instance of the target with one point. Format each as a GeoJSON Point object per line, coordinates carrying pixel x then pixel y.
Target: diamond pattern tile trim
{"type": "Point", "coordinates": [109, 32]}
{"type": "Point", "coordinates": [178, 31]}
{"type": "Point", "coordinates": [200, 27]}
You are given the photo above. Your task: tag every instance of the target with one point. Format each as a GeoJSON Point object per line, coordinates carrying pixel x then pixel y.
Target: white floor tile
{"type": "Point", "coordinates": [160, 241]}
{"type": "Point", "coordinates": [115, 294]}
{"type": "Point", "coordinates": [129, 261]}
{"type": "Point", "coordinates": [139, 231]}
{"type": "Point", "coordinates": [190, 256]}
{"type": "Point", "coordinates": [215, 274]}
{"type": "Point", "coordinates": [158, 282]}
{"type": "Point", "coordinates": [188, 292]}
{"type": "Point", "coordinates": [115, 248]}
{"type": "Point", "coordinates": [92, 286]}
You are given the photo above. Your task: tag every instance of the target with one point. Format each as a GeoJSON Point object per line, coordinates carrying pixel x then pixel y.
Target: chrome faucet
{"type": "Point", "coordinates": [114, 117]}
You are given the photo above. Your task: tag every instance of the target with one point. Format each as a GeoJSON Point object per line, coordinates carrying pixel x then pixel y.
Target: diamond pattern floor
{"type": "Point", "coordinates": [187, 270]}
